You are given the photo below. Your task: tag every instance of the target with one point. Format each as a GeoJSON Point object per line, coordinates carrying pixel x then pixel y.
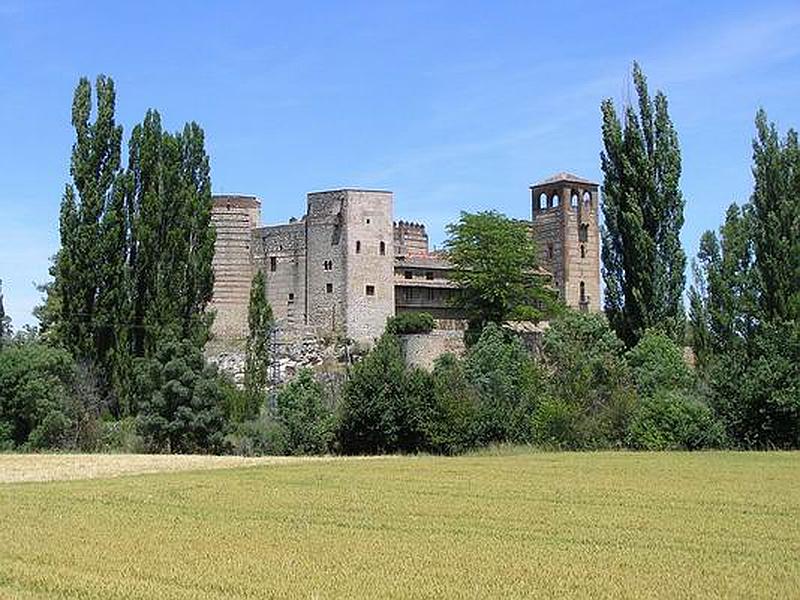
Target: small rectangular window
{"type": "Point", "coordinates": [329, 288]}
{"type": "Point", "coordinates": [429, 275]}
{"type": "Point", "coordinates": [408, 275]}
{"type": "Point", "coordinates": [291, 298]}
{"type": "Point", "coordinates": [370, 290]}
{"type": "Point", "coordinates": [273, 264]}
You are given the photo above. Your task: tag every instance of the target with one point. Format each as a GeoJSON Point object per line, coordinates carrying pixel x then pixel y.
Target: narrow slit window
{"type": "Point", "coordinates": [273, 264]}
{"type": "Point", "coordinates": [358, 247]}
{"type": "Point", "coordinates": [383, 249]}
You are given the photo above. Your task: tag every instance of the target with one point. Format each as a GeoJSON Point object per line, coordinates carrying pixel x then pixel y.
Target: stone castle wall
{"type": "Point", "coordinates": [234, 218]}
{"type": "Point", "coordinates": [281, 256]}
{"type": "Point", "coordinates": [368, 263]}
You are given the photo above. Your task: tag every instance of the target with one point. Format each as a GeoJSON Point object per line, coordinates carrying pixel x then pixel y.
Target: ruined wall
{"type": "Point", "coordinates": [281, 256]}
{"type": "Point", "coordinates": [326, 255]}
{"type": "Point", "coordinates": [422, 349]}
{"type": "Point", "coordinates": [233, 217]}
{"type": "Point", "coordinates": [368, 262]}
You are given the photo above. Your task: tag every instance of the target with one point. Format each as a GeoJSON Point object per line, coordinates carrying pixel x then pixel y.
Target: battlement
{"type": "Point", "coordinates": [410, 238]}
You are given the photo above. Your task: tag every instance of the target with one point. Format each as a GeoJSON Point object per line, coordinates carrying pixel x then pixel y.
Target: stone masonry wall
{"type": "Point", "coordinates": [281, 255]}
{"type": "Point", "coordinates": [233, 217]}
{"type": "Point", "coordinates": [422, 349]}
{"type": "Point", "coordinates": [369, 263]}
{"type": "Point", "coordinates": [326, 262]}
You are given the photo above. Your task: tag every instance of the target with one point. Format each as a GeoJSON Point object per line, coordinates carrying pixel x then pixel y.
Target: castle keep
{"type": "Point", "coordinates": [346, 265]}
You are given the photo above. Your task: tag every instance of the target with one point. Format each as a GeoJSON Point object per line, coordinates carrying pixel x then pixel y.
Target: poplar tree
{"type": "Point", "coordinates": [643, 263]}
{"type": "Point", "coordinates": [80, 261]}
{"type": "Point", "coordinates": [260, 322]}
{"type": "Point", "coordinates": [5, 321]}
{"type": "Point", "coordinates": [776, 209]}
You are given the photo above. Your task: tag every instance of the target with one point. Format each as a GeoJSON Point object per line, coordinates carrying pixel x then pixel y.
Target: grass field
{"type": "Point", "coordinates": [488, 526]}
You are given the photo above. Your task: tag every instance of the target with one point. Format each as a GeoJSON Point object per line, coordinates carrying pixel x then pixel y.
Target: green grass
{"type": "Point", "coordinates": [528, 524]}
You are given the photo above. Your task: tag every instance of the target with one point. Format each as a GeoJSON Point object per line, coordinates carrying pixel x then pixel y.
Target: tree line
{"type": "Point", "coordinates": [117, 362]}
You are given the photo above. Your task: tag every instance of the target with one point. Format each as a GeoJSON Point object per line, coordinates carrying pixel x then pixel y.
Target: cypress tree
{"type": "Point", "coordinates": [260, 322]}
{"type": "Point", "coordinates": [643, 263]}
{"type": "Point", "coordinates": [776, 208]}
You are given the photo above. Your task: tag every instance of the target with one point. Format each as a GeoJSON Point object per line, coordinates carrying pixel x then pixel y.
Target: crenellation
{"type": "Point", "coordinates": [346, 266]}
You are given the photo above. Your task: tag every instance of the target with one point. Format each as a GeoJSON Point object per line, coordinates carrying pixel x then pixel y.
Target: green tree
{"type": "Point", "coordinates": [5, 321]}
{"type": "Point", "coordinates": [182, 406]}
{"type": "Point", "coordinates": [451, 428]}
{"type": "Point", "coordinates": [508, 385]}
{"type": "Point", "coordinates": [591, 397]}
{"type": "Point", "coordinates": [724, 299]}
{"type": "Point", "coordinates": [494, 260]}
{"type": "Point", "coordinates": [385, 407]}
{"type": "Point", "coordinates": [657, 363]}
{"type": "Point", "coordinates": [35, 385]}
{"type": "Point", "coordinates": [83, 256]}
{"type": "Point", "coordinates": [301, 411]}
{"type": "Point", "coordinates": [776, 208]}
{"type": "Point", "coordinates": [260, 324]}
{"type": "Point", "coordinates": [643, 263]}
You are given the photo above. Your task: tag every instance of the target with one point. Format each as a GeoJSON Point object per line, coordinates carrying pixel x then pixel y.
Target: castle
{"type": "Point", "coordinates": [346, 266]}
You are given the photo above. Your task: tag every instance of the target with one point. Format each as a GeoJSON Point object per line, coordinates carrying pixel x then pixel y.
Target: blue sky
{"type": "Point", "coordinates": [452, 105]}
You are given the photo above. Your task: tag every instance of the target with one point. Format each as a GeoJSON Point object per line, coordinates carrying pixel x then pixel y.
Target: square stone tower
{"type": "Point", "coordinates": [567, 234]}
{"type": "Point", "coordinates": [233, 217]}
{"type": "Point", "coordinates": [350, 264]}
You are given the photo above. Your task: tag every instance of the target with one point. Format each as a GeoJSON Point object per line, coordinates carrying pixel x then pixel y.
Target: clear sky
{"type": "Point", "coordinates": [452, 105]}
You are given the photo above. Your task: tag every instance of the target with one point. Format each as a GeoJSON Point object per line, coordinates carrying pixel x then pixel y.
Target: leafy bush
{"type": "Point", "coordinates": [755, 389]}
{"type": "Point", "coordinates": [589, 382]}
{"type": "Point", "coordinates": [302, 413]}
{"type": "Point", "coordinates": [657, 363]}
{"type": "Point", "coordinates": [674, 420]}
{"type": "Point", "coordinates": [384, 407]}
{"type": "Point", "coordinates": [262, 436]}
{"type": "Point", "coordinates": [451, 428]}
{"type": "Point", "coordinates": [35, 396]}
{"type": "Point", "coordinates": [410, 322]}
{"type": "Point", "coordinates": [183, 401]}
{"type": "Point", "coordinates": [508, 384]}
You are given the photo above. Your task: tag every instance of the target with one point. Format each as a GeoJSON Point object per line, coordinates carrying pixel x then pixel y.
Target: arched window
{"type": "Point", "coordinates": [383, 248]}
{"type": "Point", "coordinates": [583, 292]}
{"type": "Point", "coordinates": [555, 200]}
{"type": "Point", "coordinates": [587, 198]}
{"type": "Point", "coordinates": [583, 251]}
{"type": "Point", "coordinates": [573, 201]}
{"type": "Point", "coordinates": [542, 200]}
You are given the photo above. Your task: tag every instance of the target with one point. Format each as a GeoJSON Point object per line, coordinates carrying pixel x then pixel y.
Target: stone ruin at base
{"type": "Point", "coordinates": [336, 275]}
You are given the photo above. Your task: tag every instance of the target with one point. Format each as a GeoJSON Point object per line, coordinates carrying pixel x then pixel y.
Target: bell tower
{"type": "Point", "coordinates": [564, 211]}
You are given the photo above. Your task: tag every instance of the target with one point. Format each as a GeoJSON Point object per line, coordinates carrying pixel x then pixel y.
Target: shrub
{"type": "Point", "coordinates": [35, 387]}
{"type": "Point", "coordinates": [657, 363]}
{"type": "Point", "coordinates": [554, 424]}
{"type": "Point", "coordinates": [307, 421]}
{"type": "Point", "coordinates": [384, 407]}
{"type": "Point", "coordinates": [674, 420]}
{"type": "Point", "coordinates": [755, 389]}
{"type": "Point", "coordinates": [262, 436]}
{"type": "Point", "coordinates": [507, 382]}
{"type": "Point", "coordinates": [410, 322]}
{"type": "Point", "coordinates": [589, 380]}
{"type": "Point", "coordinates": [451, 429]}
